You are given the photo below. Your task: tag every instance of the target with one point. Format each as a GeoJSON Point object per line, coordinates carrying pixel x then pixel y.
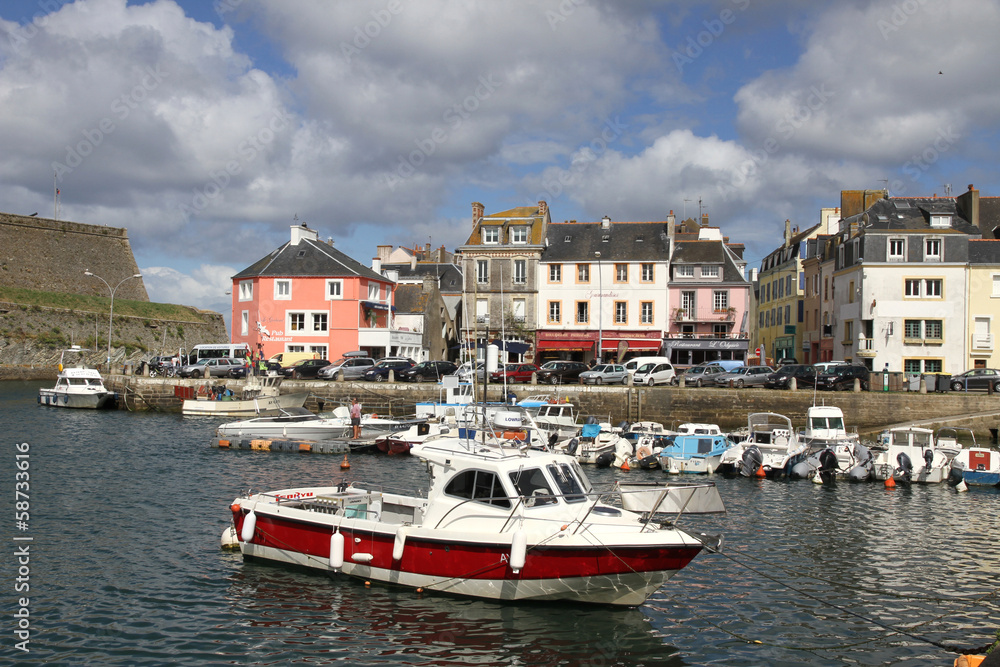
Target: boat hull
{"type": "Point", "coordinates": [88, 401]}
{"type": "Point", "coordinates": [263, 407]}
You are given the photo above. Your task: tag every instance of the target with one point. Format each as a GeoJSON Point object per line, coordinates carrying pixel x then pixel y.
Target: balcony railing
{"type": "Point", "coordinates": [982, 342]}
{"type": "Point", "coordinates": [704, 315]}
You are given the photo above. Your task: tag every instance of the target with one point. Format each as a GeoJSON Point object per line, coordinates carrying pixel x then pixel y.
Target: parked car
{"type": "Point", "coordinates": [804, 375]}
{"type": "Point", "coordinates": [561, 372]}
{"type": "Point", "coordinates": [977, 378]}
{"type": "Point", "coordinates": [217, 367]}
{"type": "Point", "coordinates": [605, 374]}
{"type": "Point", "coordinates": [353, 367]}
{"type": "Point", "coordinates": [652, 373]}
{"type": "Point", "coordinates": [304, 368]}
{"type": "Point", "coordinates": [824, 366]}
{"type": "Point", "coordinates": [380, 371]}
{"type": "Point", "coordinates": [514, 373]}
{"type": "Point", "coordinates": [841, 378]}
{"type": "Point", "coordinates": [633, 364]}
{"type": "Point", "coordinates": [465, 371]}
{"type": "Point", "coordinates": [699, 376]}
{"type": "Point", "coordinates": [427, 371]}
{"type": "Point", "coordinates": [269, 367]}
{"type": "Point", "coordinates": [785, 361]}
{"type": "Point", "coordinates": [745, 376]}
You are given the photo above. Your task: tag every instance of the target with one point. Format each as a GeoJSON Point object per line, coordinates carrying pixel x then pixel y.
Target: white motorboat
{"type": "Point", "coordinates": [693, 428]}
{"type": "Point", "coordinates": [259, 396]}
{"type": "Point", "coordinates": [552, 415]}
{"type": "Point", "coordinates": [832, 451]}
{"type": "Point", "coordinates": [299, 423]}
{"type": "Point", "coordinates": [77, 387]}
{"type": "Point", "coordinates": [498, 522]}
{"type": "Point", "coordinates": [598, 446]}
{"type": "Point", "coordinates": [400, 442]}
{"type": "Point", "coordinates": [771, 448]}
{"type": "Point", "coordinates": [973, 465]}
{"type": "Point", "coordinates": [910, 455]}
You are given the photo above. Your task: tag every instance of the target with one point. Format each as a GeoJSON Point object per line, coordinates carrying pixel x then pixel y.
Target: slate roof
{"type": "Point", "coordinates": [989, 215]}
{"type": "Point", "coordinates": [625, 242]}
{"type": "Point", "coordinates": [449, 276]}
{"type": "Point", "coordinates": [913, 214]}
{"type": "Point", "coordinates": [308, 259]}
{"type": "Point", "coordinates": [984, 251]}
{"type": "Point", "coordinates": [709, 251]}
{"type": "Point", "coordinates": [520, 216]}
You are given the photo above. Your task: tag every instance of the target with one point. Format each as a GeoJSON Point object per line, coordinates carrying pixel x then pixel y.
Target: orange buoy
{"type": "Point", "coordinates": [420, 590]}
{"type": "Point", "coordinates": [368, 583]}
{"type": "Point", "coordinates": [890, 483]}
{"type": "Point", "coordinates": [761, 472]}
{"type": "Point", "coordinates": [625, 466]}
{"type": "Point", "coordinates": [235, 507]}
{"type": "Point", "coordinates": [344, 465]}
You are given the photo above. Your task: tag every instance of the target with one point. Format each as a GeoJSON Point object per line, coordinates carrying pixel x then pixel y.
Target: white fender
{"type": "Point", "coordinates": [358, 557]}
{"type": "Point", "coordinates": [337, 550]}
{"type": "Point", "coordinates": [399, 543]}
{"type": "Point", "coordinates": [816, 479]}
{"type": "Point", "coordinates": [249, 526]}
{"type": "Point", "coordinates": [518, 550]}
{"type": "Point", "coordinates": [962, 487]}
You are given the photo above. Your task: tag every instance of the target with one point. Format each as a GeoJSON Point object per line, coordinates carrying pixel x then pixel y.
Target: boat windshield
{"type": "Point", "coordinates": [533, 487]}
{"type": "Point", "coordinates": [836, 423]}
{"type": "Point", "coordinates": [567, 482]}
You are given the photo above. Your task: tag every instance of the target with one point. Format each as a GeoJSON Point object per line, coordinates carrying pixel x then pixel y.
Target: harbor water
{"type": "Point", "coordinates": [118, 563]}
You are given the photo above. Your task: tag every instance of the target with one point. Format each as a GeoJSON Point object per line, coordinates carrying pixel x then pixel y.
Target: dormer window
{"type": "Point", "coordinates": [519, 235]}
{"type": "Point", "coordinates": [491, 235]}
{"type": "Point", "coordinates": [709, 272]}
{"type": "Point", "coordinates": [939, 221]}
{"type": "Point", "coordinates": [684, 271]}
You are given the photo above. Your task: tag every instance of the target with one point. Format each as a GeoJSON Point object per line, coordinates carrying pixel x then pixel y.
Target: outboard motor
{"type": "Point", "coordinates": [928, 460]}
{"type": "Point", "coordinates": [863, 470]}
{"type": "Point", "coordinates": [956, 475]}
{"type": "Point", "coordinates": [571, 446]}
{"type": "Point", "coordinates": [623, 426]}
{"type": "Point", "coordinates": [553, 439]}
{"type": "Point", "coordinates": [904, 472]}
{"type": "Point", "coordinates": [591, 420]}
{"type": "Point", "coordinates": [651, 462]}
{"type": "Point", "coordinates": [605, 459]}
{"type": "Point", "coordinates": [751, 461]}
{"type": "Point", "coordinates": [828, 465]}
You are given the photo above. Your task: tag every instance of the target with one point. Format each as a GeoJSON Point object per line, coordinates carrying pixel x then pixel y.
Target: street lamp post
{"type": "Point", "coordinates": [600, 309]}
{"type": "Point", "coordinates": [111, 310]}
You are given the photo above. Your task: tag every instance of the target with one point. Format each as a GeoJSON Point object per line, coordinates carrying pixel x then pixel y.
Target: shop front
{"type": "Point", "coordinates": [565, 345]}
{"type": "Point", "coordinates": [687, 352]}
{"type": "Point", "coordinates": [618, 345]}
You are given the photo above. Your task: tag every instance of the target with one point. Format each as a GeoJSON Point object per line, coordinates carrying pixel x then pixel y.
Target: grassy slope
{"type": "Point", "coordinates": [98, 304]}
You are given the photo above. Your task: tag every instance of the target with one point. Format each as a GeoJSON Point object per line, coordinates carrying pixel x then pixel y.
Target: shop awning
{"type": "Point", "coordinates": [375, 305]}
{"type": "Point", "coordinates": [633, 343]}
{"type": "Point", "coordinates": [512, 346]}
{"type": "Point", "coordinates": [566, 345]}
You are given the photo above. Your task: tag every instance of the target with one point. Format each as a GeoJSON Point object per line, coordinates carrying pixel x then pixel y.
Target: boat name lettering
{"type": "Point", "coordinates": [293, 496]}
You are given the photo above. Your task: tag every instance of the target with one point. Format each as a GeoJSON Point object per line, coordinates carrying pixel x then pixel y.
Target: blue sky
{"type": "Point", "coordinates": [206, 127]}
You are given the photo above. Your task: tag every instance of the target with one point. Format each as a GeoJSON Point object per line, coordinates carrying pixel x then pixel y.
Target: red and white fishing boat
{"type": "Point", "coordinates": [499, 521]}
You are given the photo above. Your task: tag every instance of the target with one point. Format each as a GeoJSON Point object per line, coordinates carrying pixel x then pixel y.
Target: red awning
{"type": "Point", "coordinates": [565, 345]}
{"type": "Point", "coordinates": [633, 343]}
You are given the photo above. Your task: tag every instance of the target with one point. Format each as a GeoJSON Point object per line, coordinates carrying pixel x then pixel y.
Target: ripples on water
{"type": "Point", "coordinates": [127, 511]}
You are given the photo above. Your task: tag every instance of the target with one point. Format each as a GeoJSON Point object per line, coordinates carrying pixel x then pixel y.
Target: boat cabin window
{"type": "Point", "coordinates": [533, 487]}
{"type": "Point", "coordinates": [80, 382]}
{"type": "Point", "coordinates": [705, 445]}
{"type": "Point", "coordinates": [827, 422]}
{"type": "Point", "coordinates": [478, 485]}
{"type": "Point", "coordinates": [567, 482]}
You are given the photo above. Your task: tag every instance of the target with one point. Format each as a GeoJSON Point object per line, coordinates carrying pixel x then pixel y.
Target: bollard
{"type": "Point", "coordinates": [857, 385]}
{"type": "Point", "coordinates": [792, 384]}
{"type": "Point", "coordinates": [534, 377]}
{"type": "Point", "coordinates": [340, 375]}
{"type": "Point", "coordinates": [392, 375]}
{"type": "Point", "coordinates": [923, 385]}
{"type": "Point", "coordinates": [680, 382]}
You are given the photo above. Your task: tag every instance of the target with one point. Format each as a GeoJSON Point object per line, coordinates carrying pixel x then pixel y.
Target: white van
{"type": "Point", "coordinates": [633, 364]}
{"type": "Point", "coordinates": [652, 373]}
{"type": "Point", "coordinates": [286, 359]}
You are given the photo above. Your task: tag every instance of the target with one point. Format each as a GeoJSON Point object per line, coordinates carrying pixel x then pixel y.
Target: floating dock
{"type": "Point", "coordinates": [293, 445]}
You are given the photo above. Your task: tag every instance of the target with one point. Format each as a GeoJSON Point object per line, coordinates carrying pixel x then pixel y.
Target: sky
{"type": "Point", "coordinates": [208, 127]}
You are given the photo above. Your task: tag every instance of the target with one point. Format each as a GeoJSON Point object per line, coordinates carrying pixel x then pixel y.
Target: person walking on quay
{"type": "Point", "coordinates": [356, 418]}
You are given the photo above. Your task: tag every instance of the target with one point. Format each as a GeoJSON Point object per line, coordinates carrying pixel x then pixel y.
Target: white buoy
{"type": "Point", "coordinates": [673, 467]}
{"type": "Point", "coordinates": [337, 550]}
{"type": "Point", "coordinates": [399, 543]}
{"type": "Point", "coordinates": [962, 487]}
{"type": "Point", "coordinates": [518, 550]}
{"type": "Point", "coordinates": [230, 540]}
{"type": "Point", "coordinates": [817, 479]}
{"type": "Point", "coordinates": [249, 526]}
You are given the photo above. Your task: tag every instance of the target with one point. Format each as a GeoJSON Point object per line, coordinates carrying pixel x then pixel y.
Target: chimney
{"type": "Point", "coordinates": [300, 232]}
{"type": "Point", "coordinates": [377, 264]}
{"type": "Point", "coordinates": [543, 208]}
{"type": "Point", "coordinates": [427, 252]}
{"type": "Point", "coordinates": [967, 204]}
{"type": "Point", "coordinates": [413, 263]}
{"type": "Point", "coordinates": [704, 219]}
{"type": "Point", "coordinates": [477, 212]}
{"type": "Point", "coordinates": [605, 222]}
{"type": "Point", "coordinates": [383, 252]}
{"type": "Point", "coordinates": [670, 218]}
{"type": "Point", "coordinates": [788, 232]}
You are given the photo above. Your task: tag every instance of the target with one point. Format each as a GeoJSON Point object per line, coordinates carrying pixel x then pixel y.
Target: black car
{"type": "Point", "coordinates": [841, 378]}
{"type": "Point", "coordinates": [304, 368]}
{"type": "Point", "coordinates": [560, 372]}
{"type": "Point", "coordinates": [977, 378]}
{"type": "Point", "coordinates": [241, 371]}
{"type": "Point", "coordinates": [804, 375]}
{"type": "Point", "coordinates": [380, 371]}
{"type": "Point", "coordinates": [427, 371]}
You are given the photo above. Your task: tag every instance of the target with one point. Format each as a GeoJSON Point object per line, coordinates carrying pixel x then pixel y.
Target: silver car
{"type": "Point", "coordinates": [605, 374]}
{"type": "Point", "coordinates": [353, 367]}
{"type": "Point", "coordinates": [747, 376]}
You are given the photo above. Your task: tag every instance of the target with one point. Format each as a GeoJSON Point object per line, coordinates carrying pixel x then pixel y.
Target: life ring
{"type": "Point", "coordinates": [203, 390]}
{"type": "Point", "coordinates": [644, 451]}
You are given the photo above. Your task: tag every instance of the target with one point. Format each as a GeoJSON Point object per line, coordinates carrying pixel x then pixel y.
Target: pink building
{"type": "Point", "coordinates": [307, 296]}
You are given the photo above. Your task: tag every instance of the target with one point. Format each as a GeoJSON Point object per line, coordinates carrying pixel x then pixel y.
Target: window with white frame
{"type": "Point", "coordinates": [720, 301]}
{"type": "Point", "coordinates": [684, 271]}
{"type": "Point", "coordinates": [245, 323]}
{"type": "Point", "coordinates": [555, 312]}
{"type": "Point", "coordinates": [996, 285]}
{"type": "Point", "coordinates": [911, 287]}
{"type": "Point", "coordinates": [621, 273]}
{"type": "Point", "coordinates": [687, 302]}
{"type": "Point", "coordinates": [932, 250]}
{"type": "Point", "coordinates": [648, 273]}
{"type": "Point", "coordinates": [295, 348]}
{"type": "Point", "coordinates": [319, 322]}
{"type": "Point", "coordinates": [621, 312]}
{"type": "Point", "coordinates": [519, 235]}
{"type": "Point", "coordinates": [646, 312]}
{"type": "Point", "coordinates": [482, 310]}
{"type": "Point", "coordinates": [246, 290]}
{"type": "Point", "coordinates": [520, 271]}
{"type": "Point", "coordinates": [334, 289]}
{"type": "Point", "coordinates": [938, 221]}
{"type": "Point", "coordinates": [282, 290]}
{"type": "Point", "coordinates": [897, 250]}
{"type": "Point", "coordinates": [555, 273]}
{"type": "Point", "coordinates": [932, 287]}
{"type": "Point", "coordinates": [709, 272]}
{"type": "Point", "coordinates": [482, 271]}
{"type": "Point", "coordinates": [491, 235]}
{"type": "Point", "coordinates": [296, 321]}
{"type": "Point", "coordinates": [583, 273]}
{"type": "Point", "coordinates": [318, 349]}
{"type": "Point", "coordinates": [373, 291]}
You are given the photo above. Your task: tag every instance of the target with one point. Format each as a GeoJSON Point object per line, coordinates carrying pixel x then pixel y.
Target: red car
{"type": "Point", "coordinates": [514, 373]}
